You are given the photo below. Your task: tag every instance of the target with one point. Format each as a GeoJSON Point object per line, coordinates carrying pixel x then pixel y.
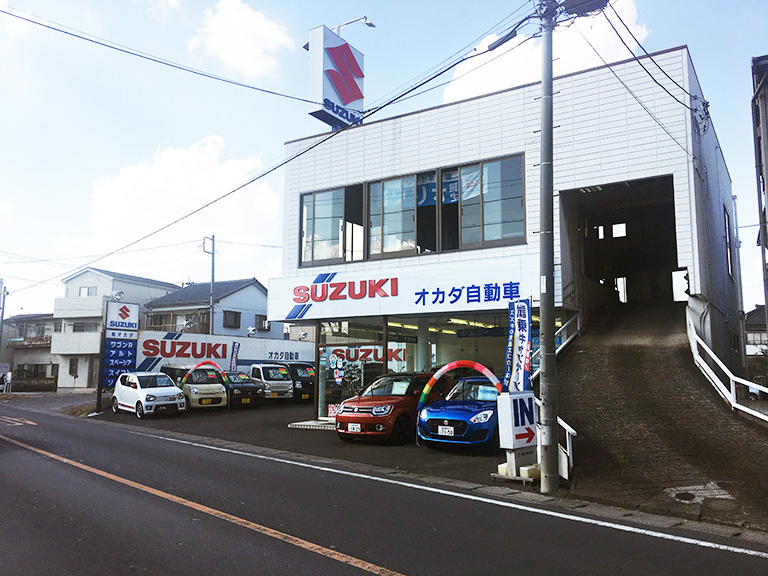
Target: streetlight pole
{"type": "Point", "coordinates": [550, 474]}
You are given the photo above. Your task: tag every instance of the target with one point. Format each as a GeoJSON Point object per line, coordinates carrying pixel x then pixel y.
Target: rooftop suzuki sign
{"type": "Point", "coordinates": [335, 79]}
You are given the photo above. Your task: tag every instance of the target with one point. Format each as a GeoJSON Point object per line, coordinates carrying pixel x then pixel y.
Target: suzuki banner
{"type": "Point", "coordinates": [481, 285]}
{"type": "Point", "coordinates": [156, 349]}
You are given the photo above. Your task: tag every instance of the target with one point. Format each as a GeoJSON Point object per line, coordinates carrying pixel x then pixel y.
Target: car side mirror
{"type": "Point", "coordinates": [133, 385]}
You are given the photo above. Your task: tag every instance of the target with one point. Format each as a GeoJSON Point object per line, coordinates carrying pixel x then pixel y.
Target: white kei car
{"type": "Point", "coordinates": [147, 393]}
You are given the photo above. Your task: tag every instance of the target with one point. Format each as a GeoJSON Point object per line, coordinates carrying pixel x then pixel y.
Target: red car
{"type": "Point", "coordinates": [386, 409]}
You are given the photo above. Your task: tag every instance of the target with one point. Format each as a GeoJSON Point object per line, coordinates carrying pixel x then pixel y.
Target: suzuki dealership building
{"type": "Point", "coordinates": [406, 239]}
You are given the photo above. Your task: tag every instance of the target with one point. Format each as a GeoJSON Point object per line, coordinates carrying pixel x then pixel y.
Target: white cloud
{"type": "Point", "coordinates": [160, 9]}
{"type": "Point", "coordinates": [241, 38]}
{"type": "Point", "coordinates": [145, 197]}
{"type": "Point", "coordinates": [518, 61]}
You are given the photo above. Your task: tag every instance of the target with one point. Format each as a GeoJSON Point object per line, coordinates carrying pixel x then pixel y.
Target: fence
{"type": "Point", "coordinates": [731, 387]}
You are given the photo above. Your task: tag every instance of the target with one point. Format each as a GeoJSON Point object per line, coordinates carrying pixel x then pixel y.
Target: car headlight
{"type": "Point", "coordinates": [223, 390]}
{"type": "Point", "coordinates": [151, 398]}
{"type": "Point", "coordinates": [260, 391]}
{"type": "Point", "coordinates": [236, 391]}
{"type": "Point", "coordinates": [341, 409]}
{"type": "Point", "coordinates": [423, 414]}
{"type": "Point", "coordinates": [266, 386]}
{"type": "Point", "coordinates": [382, 410]}
{"type": "Point", "coordinates": [298, 385]}
{"type": "Point", "coordinates": [179, 396]}
{"type": "Point", "coordinates": [482, 417]}
{"type": "Point", "coordinates": [194, 390]}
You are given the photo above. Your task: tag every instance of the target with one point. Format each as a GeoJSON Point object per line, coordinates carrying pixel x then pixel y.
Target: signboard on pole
{"type": "Point", "coordinates": [120, 341]}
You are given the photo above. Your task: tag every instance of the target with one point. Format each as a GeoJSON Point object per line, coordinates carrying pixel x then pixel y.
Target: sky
{"type": "Point", "coordinates": [104, 154]}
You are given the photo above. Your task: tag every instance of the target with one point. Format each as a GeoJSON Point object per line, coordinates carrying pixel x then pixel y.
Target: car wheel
{"type": "Point", "coordinates": [115, 406]}
{"type": "Point", "coordinates": [344, 437]}
{"type": "Point", "coordinates": [139, 410]}
{"type": "Point", "coordinates": [403, 431]}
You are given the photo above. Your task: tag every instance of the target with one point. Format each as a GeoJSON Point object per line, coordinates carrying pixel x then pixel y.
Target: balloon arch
{"type": "Point", "coordinates": [451, 366]}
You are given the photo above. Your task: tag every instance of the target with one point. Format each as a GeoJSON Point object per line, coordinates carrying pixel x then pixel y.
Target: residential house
{"type": "Point", "coordinates": [81, 314]}
{"type": "Point", "coordinates": [239, 309]}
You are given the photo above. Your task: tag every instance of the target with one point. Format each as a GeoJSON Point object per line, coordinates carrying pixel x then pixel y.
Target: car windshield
{"type": "Point", "coordinates": [205, 377]}
{"type": "Point", "coordinates": [155, 381]}
{"type": "Point", "coordinates": [392, 386]}
{"type": "Point", "coordinates": [276, 373]}
{"type": "Point", "coordinates": [238, 377]}
{"type": "Point", "coordinates": [305, 372]}
{"type": "Point", "coordinates": [472, 389]}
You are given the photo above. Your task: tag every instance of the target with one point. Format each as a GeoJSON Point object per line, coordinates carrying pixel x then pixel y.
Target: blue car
{"type": "Point", "coordinates": [466, 416]}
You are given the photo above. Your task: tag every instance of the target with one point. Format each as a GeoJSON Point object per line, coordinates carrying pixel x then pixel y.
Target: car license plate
{"type": "Point", "coordinates": [354, 427]}
{"type": "Point", "coordinates": [205, 401]}
{"type": "Point", "coordinates": [445, 430]}
{"type": "Point", "coordinates": [245, 401]}
{"type": "Point", "coordinates": [273, 394]}
{"type": "Point", "coordinates": [304, 396]}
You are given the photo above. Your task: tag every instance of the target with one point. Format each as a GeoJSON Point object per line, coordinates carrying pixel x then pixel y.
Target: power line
{"type": "Point", "coordinates": [156, 59]}
{"type": "Point", "coordinates": [628, 89]}
{"type": "Point", "coordinates": [31, 260]}
{"type": "Point", "coordinates": [652, 77]}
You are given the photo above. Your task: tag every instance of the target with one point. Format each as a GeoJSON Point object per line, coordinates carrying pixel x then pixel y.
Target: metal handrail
{"type": "Point", "coordinates": [728, 392]}
{"type": "Point", "coordinates": [566, 333]}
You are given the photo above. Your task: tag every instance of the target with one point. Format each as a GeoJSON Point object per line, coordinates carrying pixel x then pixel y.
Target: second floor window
{"type": "Point", "coordinates": [455, 208]}
{"type": "Point", "coordinates": [231, 319]}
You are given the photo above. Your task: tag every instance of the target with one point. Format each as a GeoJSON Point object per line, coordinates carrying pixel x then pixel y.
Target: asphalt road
{"type": "Point", "coordinates": [112, 497]}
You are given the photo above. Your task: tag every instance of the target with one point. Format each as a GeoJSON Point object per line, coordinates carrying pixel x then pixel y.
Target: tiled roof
{"type": "Point", "coordinates": [755, 320]}
{"type": "Point", "coordinates": [199, 293]}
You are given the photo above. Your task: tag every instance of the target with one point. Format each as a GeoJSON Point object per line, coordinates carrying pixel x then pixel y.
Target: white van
{"type": "Point", "coordinates": [278, 383]}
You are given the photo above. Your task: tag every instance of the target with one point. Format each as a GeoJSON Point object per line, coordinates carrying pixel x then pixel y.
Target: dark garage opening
{"type": "Point", "coordinates": [626, 249]}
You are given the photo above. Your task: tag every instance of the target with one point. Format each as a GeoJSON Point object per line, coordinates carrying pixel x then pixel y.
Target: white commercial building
{"type": "Point", "coordinates": [413, 234]}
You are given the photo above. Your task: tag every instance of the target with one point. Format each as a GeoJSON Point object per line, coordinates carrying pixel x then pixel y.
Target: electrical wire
{"type": "Point", "coordinates": [30, 260]}
{"type": "Point", "coordinates": [462, 50]}
{"type": "Point", "coordinates": [651, 76]}
{"type": "Point", "coordinates": [675, 82]}
{"type": "Point", "coordinates": [156, 59]}
{"type": "Point", "coordinates": [263, 174]}
{"type": "Point", "coordinates": [628, 89]}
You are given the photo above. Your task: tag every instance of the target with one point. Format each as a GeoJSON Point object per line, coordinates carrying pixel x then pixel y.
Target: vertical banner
{"type": "Point", "coordinates": [233, 359]}
{"type": "Point", "coordinates": [517, 366]}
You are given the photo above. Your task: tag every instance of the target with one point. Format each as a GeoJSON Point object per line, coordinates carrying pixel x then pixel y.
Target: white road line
{"type": "Point", "coordinates": [474, 498]}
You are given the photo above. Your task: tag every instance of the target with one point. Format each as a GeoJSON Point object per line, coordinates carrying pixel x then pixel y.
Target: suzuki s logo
{"type": "Point", "coordinates": [124, 312]}
{"type": "Point", "coordinates": [344, 77]}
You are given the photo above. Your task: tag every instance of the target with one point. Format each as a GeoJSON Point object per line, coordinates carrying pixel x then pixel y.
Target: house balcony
{"type": "Point", "coordinates": [37, 342]}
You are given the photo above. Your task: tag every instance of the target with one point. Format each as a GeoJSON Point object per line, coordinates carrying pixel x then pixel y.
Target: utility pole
{"type": "Point", "coordinates": [550, 474]}
{"type": "Point", "coordinates": [213, 260]}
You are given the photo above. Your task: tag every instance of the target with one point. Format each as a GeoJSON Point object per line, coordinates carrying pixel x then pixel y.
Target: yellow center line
{"type": "Point", "coordinates": [10, 421]}
{"type": "Point", "coordinates": [298, 542]}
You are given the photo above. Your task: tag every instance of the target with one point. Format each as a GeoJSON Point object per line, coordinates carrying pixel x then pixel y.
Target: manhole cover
{"type": "Point", "coordinates": [685, 496]}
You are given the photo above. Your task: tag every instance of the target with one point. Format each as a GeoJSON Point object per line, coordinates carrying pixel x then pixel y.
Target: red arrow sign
{"type": "Point", "coordinates": [528, 435]}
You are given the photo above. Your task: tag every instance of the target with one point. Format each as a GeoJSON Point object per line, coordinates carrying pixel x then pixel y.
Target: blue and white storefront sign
{"type": "Point", "coordinates": [451, 287]}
